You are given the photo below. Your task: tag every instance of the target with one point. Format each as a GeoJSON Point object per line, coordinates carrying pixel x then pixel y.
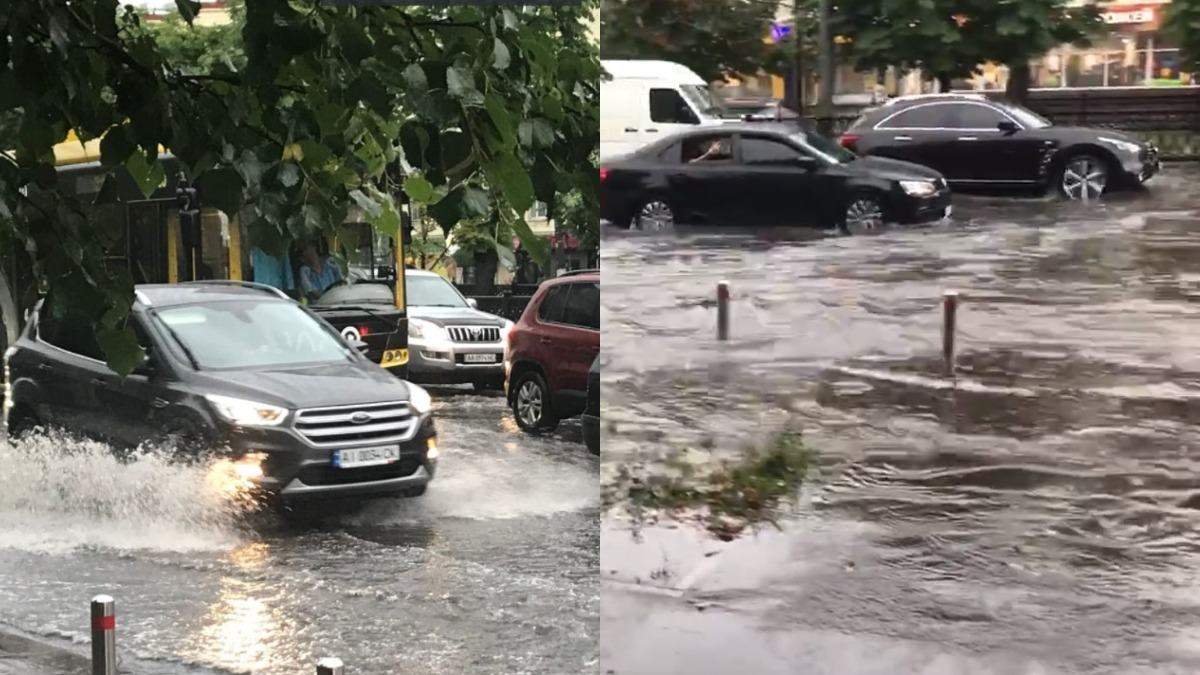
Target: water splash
{"type": "Point", "coordinates": [61, 493]}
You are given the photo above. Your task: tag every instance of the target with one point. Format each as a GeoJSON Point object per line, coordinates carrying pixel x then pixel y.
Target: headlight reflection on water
{"type": "Point", "coordinates": [237, 479]}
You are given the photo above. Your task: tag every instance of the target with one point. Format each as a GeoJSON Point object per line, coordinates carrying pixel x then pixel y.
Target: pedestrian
{"type": "Point", "coordinates": [318, 273]}
{"type": "Point", "coordinates": [272, 270]}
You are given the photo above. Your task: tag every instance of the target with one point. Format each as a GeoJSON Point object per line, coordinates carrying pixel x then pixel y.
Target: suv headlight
{"type": "Point", "coordinates": [918, 188]}
{"type": "Point", "coordinates": [247, 413]}
{"type": "Point", "coordinates": [419, 399]}
{"type": "Point", "coordinates": [426, 330]}
{"type": "Point", "coordinates": [1132, 148]}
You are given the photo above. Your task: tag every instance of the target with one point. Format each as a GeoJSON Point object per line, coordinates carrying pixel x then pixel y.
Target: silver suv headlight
{"type": "Point", "coordinates": [919, 188]}
{"type": "Point", "coordinates": [426, 330]}
{"type": "Point", "coordinates": [247, 413]}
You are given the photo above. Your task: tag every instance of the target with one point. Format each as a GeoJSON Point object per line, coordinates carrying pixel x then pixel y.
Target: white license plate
{"type": "Point", "coordinates": [479, 358]}
{"type": "Point", "coordinates": [369, 456]}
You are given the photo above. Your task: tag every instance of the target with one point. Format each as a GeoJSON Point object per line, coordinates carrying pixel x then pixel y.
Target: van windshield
{"type": "Point", "coordinates": [701, 99]}
{"type": "Point", "coordinates": [251, 334]}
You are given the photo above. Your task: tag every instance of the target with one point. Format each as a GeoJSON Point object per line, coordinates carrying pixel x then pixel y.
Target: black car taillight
{"type": "Point", "coordinates": [603, 174]}
{"type": "Point", "coordinates": [849, 141]}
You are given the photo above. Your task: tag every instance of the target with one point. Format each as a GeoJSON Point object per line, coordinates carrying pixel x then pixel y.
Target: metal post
{"type": "Point", "coordinates": [825, 107]}
{"type": "Point", "coordinates": [329, 666]}
{"type": "Point", "coordinates": [949, 312]}
{"type": "Point", "coordinates": [798, 62]}
{"type": "Point", "coordinates": [723, 310]}
{"type": "Point", "coordinates": [104, 640]}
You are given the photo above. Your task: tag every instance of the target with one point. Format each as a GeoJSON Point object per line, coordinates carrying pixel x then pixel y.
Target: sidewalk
{"type": "Point", "coordinates": [24, 656]}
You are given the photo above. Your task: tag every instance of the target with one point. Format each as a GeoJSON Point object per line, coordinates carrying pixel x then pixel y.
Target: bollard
{"type": "Point", "coordinates": [949, 312]}
{"type": "Point", "coordinates": [329, 666]}
{"type": "Point", "coordinates": [104, 640]}
{"type": "Point", "coordinates": [723, 310]}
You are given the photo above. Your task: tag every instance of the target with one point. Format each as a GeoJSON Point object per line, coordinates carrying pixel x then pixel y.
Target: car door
{"type": "Point", "coordinates": [703, 182]}
{"type": "Point", "coordinates": [622, 116]}
{"type": "Point", "coordinates": [913, 134]}
{"type": "Point", "coordinates": [68, 360]}
{"type": "Point", "coordinates": [131, 403]}
{"type": "Point", "coordinates": [777, 182]}
{"type": "Point", "coordinates": [981, 152]}
{"type": "Point", "coordinates": [580, 326]}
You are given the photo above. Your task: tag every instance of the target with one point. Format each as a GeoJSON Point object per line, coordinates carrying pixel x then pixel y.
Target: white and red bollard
{"type": "Point", "coordinates": [104, 638]}
{"type": "Point", "coordinates": [723, 310]}
{"type": "Point", "coordinates": [329, 666]}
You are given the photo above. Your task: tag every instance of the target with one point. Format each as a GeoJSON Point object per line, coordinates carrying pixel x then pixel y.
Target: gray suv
{"type": "Point", "coordinates": [239, 368]}
{"type": "Point", "coordinates": [449, 341]}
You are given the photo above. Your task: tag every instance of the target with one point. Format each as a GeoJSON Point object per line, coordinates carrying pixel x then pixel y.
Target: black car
{"type": "Point", "coordinates": [764, 173]}
{"type": "Point", "coordinates": [366, 311]}
{"type": "Point", "coordinates": [239, 369]}
{"type": "Point", "coordinates": [976, 141]}
{"type": "Point", "coordinates": [591, 416]}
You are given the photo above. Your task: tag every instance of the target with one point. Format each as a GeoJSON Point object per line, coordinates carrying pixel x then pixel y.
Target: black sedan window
{"type": "Point", "coordinates": [708, 148]}
{"type": "Point", "coordinates": [934, 116]}
{"type": "Point", "coordinates": [766, 152]}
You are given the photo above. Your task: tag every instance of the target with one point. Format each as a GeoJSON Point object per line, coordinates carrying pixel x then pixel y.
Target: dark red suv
{"type": "Point", "coordinates": [551, 349]}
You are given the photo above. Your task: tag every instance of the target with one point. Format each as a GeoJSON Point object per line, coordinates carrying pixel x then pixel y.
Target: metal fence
{"type": "Point", "coordinates": [508, 304]}
{"type": "Point", "coordinates": [1133, 108]}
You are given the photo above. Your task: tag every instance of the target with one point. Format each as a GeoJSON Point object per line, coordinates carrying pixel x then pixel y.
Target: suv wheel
{"type": "Point", "coordinates": [21, 421]}
{"type": "Point", "coordinates": [1083, 177]}
{"type": "Point", "coordinates": [531, 403]}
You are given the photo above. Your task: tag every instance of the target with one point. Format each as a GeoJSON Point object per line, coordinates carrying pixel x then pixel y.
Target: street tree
{"type": "Point", "coordinates": [472, 111]}
{"type": "Point", "coordinates": [715, 38]}
{"type": "Point", "coordinates": [1182, 22]}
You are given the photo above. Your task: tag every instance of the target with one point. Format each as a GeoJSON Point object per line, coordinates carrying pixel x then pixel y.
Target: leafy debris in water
{"type": "Point", "coordinates": [735, 495]}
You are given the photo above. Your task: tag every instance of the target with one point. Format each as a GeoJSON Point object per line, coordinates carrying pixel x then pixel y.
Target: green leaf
{"type": "Point", "coordinates": [506, 171]}
{"type": "Point", "coordinates": [368, 205]}
{"type": "Point", "coordinates": [419, 189]}
{"type": "Point", "coordinates": [475, 202]}
{"type": "Point", "coordinates": [461, 83]}
{"type": "Point", "coordinates": [498, 113]}
{"type": "Point", "coordinates": [388, 220]}
{"type": "Point", "coordinates": [538, 248]}
{"type": "Point", "coordinates": [289, 174]}
{"type": "Point", "coordinates": [500, 56]}
{"type": "Point", "coordinates": [148, 174]}
{"type": "Point", "coordinates": [314, 154]}
{"type": "Point", "coordinates": [221, 188]}
{"type": "Point", "coordinates": [116, 147]}
{"type": "Point", "coordinates": [188, 9]}
{"type": "Point", "coordinates": [121, 349]}
{"type": "Point", "coordinates": [415, 78]}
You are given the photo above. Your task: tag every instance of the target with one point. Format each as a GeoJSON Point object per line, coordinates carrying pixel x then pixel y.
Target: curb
{"type": "Point", "coordinates": [22, 654]}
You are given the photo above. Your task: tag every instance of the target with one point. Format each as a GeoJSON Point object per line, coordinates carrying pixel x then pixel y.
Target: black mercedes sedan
{"type": "Point", "coordinates": [764, 174]}
{"type": "Point", "coordinates": [976, 141]}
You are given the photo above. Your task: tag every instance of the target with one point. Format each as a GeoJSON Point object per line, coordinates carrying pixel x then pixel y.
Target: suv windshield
{"type": "Point", "coordinates": [251, 334]}
{"type": "Point", "coordinates": [1026, 117]}
{"type": "Point", "coordinates": [432, 291]}
{"type": "Point", "coordinates": [701, 99]}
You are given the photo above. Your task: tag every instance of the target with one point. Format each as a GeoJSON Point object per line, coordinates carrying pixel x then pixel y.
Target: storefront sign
{"type": "Point", "coordinates": [1136, 15]}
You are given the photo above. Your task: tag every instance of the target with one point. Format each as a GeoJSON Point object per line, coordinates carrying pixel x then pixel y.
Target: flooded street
{"type": "Point", "coordinates": [1035, 513]}
{"type": "Point", "coordinates": [494, 570]}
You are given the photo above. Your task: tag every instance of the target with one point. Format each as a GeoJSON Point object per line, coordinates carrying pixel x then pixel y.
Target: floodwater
{"type": "Point", "coordinates": [495, 569]}
{"type": "Point", "coordinates": [1036, 512]}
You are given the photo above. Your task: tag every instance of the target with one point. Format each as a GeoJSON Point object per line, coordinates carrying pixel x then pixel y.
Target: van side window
{"type": "Point", "coordinates": [668, 107]}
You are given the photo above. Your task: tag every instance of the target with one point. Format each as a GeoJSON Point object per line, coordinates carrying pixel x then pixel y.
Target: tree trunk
{"type": "Point", "coordinates": [943, 81]}
{"type": "Point", "coordinates": [485, 272]}
{"type": "Point", "coordinates": [1017, 89]}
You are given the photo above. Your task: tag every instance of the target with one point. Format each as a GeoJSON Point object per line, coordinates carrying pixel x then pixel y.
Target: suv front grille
{"type": "Point", "coordinates": [474, 333]}
{"type": "Point", "coordinates": [357, 424]}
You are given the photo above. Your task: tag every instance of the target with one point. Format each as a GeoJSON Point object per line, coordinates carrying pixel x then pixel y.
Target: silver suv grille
{"type": "Point", "coordinates": [354, 424]}
{"type": "Point", "coordinates": [474, 333]}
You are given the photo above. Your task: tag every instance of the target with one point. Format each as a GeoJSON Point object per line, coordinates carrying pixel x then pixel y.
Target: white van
{"type": "Point", "coordinates": [646, 100]}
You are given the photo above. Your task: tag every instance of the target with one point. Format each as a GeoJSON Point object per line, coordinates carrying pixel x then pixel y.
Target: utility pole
{"type": "Point", "coordinates": [798, 63]}
{"type": "Point", "coordinates": [825, 105]}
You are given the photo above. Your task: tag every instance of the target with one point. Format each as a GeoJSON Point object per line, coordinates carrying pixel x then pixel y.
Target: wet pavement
{"type": "Point", "coordinates": [495, 569]}
{"type": "Point", "coordinates": [1036, 512]}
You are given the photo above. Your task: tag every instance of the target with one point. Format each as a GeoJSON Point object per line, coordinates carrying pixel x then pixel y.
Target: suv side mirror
{"type": "Point", "coordinates": [1008, 126]}
{"type": "Point", "coordinates": [473, 303]}
{"type": "Point", "coordinates": [359, 345]}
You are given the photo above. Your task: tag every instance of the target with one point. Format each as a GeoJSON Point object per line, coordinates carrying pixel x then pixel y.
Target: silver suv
{"type": "Point", "coordinates": [449, 341]}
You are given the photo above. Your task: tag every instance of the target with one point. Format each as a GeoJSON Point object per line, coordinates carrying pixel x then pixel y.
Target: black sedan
{"type": "Point", "coordinates": [364, 311]}
{"type": "Point", "coordinates": [976, 141]}
{"type": "Point", "coordinates": [764, 173]}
